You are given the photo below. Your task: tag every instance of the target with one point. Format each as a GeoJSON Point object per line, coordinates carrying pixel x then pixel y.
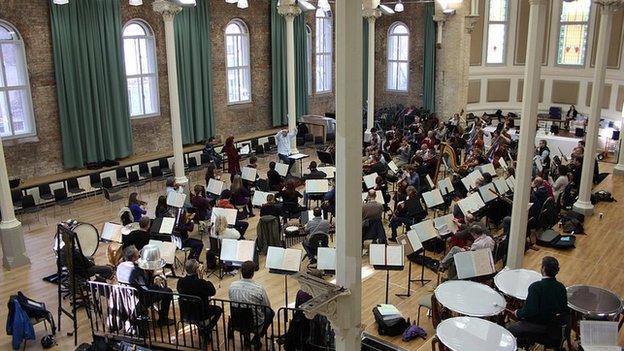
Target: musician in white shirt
{"type": "Point", "coordinates": [283, 138]}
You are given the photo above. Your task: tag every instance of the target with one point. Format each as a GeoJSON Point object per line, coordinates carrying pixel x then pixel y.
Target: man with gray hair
{"type": "Point", "coordinates": [131, 255]}
{"type": "Point", "coordinates": [193, 285]}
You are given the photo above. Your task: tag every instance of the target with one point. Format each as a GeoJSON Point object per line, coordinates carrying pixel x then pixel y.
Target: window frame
{"type": "Point", "coordinates": [150, 39]}
{"type": "Point", "coordinates": [505, 23]}
{"type": "Point", "coordinates": [326, 24]}
{"type": "Point", "coordinates": [390, 35]}
{"type": "Point", "coordinates": [30, 118]}
{"type": "Point", "coordinates": [244, 33]}
{"type": "Point", "coordinates": [587, 36]}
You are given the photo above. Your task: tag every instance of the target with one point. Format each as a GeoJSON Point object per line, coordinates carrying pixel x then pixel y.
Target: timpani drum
{"type": "Point", "coordinates": [88, 237]}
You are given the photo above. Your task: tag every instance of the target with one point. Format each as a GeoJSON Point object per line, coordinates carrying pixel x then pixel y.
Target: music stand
{"type": "Point", "coordinates": [284, 262]}
{"type": "Point", "coordinates": [383, 262]}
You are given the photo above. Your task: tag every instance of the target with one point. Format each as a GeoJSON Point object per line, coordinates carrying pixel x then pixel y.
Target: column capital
{"type": "Point", "coordinates": [167, 9]}
{"type": "Point", "coordinates": [610, 5]}
{"type": "Point", "coordinates": [439, 18]}
{"type": "Point", "coordinates": [371, 14]}
{"type": "Point", "coordinates": [538, 2]}
{"type": "Point", "coordinates": [288, 10]}
{"type": "Point", "coordinates": [471, 21]}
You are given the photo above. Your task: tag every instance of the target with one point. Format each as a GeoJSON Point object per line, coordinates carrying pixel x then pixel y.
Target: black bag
{"type": "Point", "coordinates": [551, 238]}
{"type": "Point", "coordinates": [392, 327]}
{"type": "Point", "coordinates": [211, 260]}
{"type": "Point", "coordinates": [572, 222]}
{"type": "Point", "coordinates": [436, 245]}
{"type": "Point", "coordinates": [602, 196]}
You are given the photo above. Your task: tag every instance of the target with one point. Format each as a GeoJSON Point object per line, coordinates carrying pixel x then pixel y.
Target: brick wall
{"type": "Point", "coordinates": [43, 155]}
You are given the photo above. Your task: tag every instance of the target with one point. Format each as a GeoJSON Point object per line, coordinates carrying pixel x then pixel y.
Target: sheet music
{"type": "Point", "coordinates": [446, 186]}
{"type": "Point", "coordinates": [445, 224]}
{"type": "Point", "coordinates": [215, 186]}
{"type": "Point", "coordinates": [599, 333]}
{"type": "Point", "coordinates": [237, 250]}
{"type": "Point", "coordinates": [477, 201]}
{"type": "Point", "coordinates": [501, 185]}
{"type": "Point", "coordinates": [249, 174]}
{"type": "Point", "coordinates": [228, 213]}
{"type": "Point", "coordinates": [538, 163]}
{"type": "Point", "coordinates": [283, 259]}
{"type": "Point", "coordinates": [511, 182]}
{"type": "Point", "coordinates": [425, 230]}
{"type": "Point", "coordinates": [486, 194]}
{"type": "Point", "coordinates": [330, 171]}
{"type": "Point", "coordinates": [386, 255]}
{"type": "Point", "coordinates": [433, 198]}
{"type": "Point", "coordinates": [176, 199]}
{"type": "Point", "coordinates": [393, 167]}
{"type": "Point", "coordinates": [281, 169]}
{"type": "Point", "coordinates": [431, 185]}
{"type": "Point", "coordinates": [369, 180]}
{"type": "Point", "coordinates": [470, 181]}
{"type": "Point", "coordinates": [471, 264]}
{"type": "Point", "coordinates": [379, 198]}
{"type": "Point", "coordinates": [245, 150]}
{"type": "Point", "coordinates": [259, 198]}
{"type": "Point", "coordinates": [317, 186]}
{"type": "Point", "coordinates": [111, 232]}
{"type": "Point", "coordinates": [297, 156]}
{"type": "Point", "coordinates": [488, 168]}
{"type": "Point", "coordinates": [411, 241]}
{"type": "Point", "coordinates": [326, 258]}
{"type": "Point", "coordinates": [166, 226]}
{"type": "Point", "coordinates": [229, 248]}
{"type": "Point", "coordinates": [246, 250]}
{"type": "Point", "coordinates": [502, 163]}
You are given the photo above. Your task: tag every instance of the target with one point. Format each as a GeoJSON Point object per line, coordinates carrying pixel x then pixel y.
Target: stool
{"type": "Point", "coordinates": [424, 301]}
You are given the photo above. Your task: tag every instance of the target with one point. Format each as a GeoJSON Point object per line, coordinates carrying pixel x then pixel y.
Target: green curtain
{"type": "Point", "coordinates": [365, 61]}
{"type": "Point", "coordinates": [90, 81]}
{"type": "Point", "coordinates": [279, 85]}
{"type": "Point", "coordinates": [429, 58]}
{"type": "Point", "coordinates": [194, 63]}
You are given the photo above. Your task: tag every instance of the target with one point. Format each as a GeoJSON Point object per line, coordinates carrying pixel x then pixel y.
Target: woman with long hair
{"type": "Point", "coordinates": [233, 157]}
{"type": "Point", "coordinates": [136, 206]}
{"type": "Point", "coordinates": [241, 195]}
{"type": "Point", "coordinates": [222, 231]}
{"type": "Point", "coordinates": [162, 209]}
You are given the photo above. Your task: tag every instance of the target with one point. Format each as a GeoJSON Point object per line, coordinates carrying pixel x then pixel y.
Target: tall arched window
{"type": "Point", "coordinates": [16, 112]}
{"type": "Point", "coordinates": [497, 31]}
{"type": "Point", "coordinates": [398, 57]}
{"type": "Point", "coordinates": [323, 54]}
{"type": "Point", "coordinates": [237, 62]}
{"type": "Point", "coordinates": [141, 69]}
{"type": "Point", "coordinates": [309, 57]}
{"type": "Point", "coordinates": [574, 24]}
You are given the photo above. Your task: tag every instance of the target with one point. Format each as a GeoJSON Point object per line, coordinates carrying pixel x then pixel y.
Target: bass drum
{"type": "Point", "coordinates": [88, 237]}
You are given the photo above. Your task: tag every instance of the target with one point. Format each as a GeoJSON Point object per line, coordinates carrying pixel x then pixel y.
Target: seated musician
{"type": "Point", "coordinates": [460, 237]}
{"type": "Point", "coordinates": [329, 202]}
{"type": "Point", "coordinates": [430, 141]}
{"type": "Point", "coordinates": [381, 185]}
{"type": "Point", "coordinates": [85, 267]}
{"type": "Point", "coordinates": [481, 240]}
{"type": "Point", "coordinates": [372, 226]}
{"type": "Point", "coordinates": [545, 309]}
{"type": "Point", "coordinates": [375, 164]}
{"type": "Point", "coordinates": [314, 172]}
{"type": "Point", "coordinates": [221, 230]}
{"type": "Point", "coordinates": [209, 149]}
{"type": "Point", "coordinates": [183, 228]}
{"type": "Point", "coordinates": [274, 179]}
{"type": "Point", "coordinates": [407, 212]}
{"type": "Point", "coordinates": [241, 195]}
{"type": "Point", "coordinates": [162, 209]}
{"type": "Point", "coordinates": [136, 206]}
{"type": "Point", "coordinates": [316, 225]}
{"type": "Point", "coordinates": [201, 203]}
{"type": "Point", "coordinates": [193, 285]}
{"type": "Point", "coordinates": [404, 152]}
{"type": "Point", "coordinates": [270, 208]}
{"type": "Point", "coordinates": [225, 202]}
{"type": "Point", "coordinates": [124, 269]}
{"type": "Point", "coordinates": [140, 237]}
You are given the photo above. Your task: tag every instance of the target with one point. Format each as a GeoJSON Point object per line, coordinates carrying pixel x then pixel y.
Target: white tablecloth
{"type": "Point", "coordinates": [556, 143]}
{"type": "Point", "coordinates": [516, 282]}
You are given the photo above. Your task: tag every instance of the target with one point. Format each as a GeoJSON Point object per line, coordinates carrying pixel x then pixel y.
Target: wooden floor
{"type": "Point", "coordinates": [597, 260]}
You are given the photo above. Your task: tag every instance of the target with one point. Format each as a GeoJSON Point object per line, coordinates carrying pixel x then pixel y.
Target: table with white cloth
{"type": "Point", "coordinates": [469, 298]}
{"type": "Point", "coordinates": [515, 282]}
{"type": "Point", "coordinates": [474, 334]}
{"type": "Point", "coordinates": [557, 144]}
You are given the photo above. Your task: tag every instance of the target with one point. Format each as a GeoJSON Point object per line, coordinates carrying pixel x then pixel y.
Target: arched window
{"type": "Point", "coordinates": [573, 28]}
{"type": "Point", "coordinates": [398, 57]}
{"type": "Point", "coordinates": [323, 55]}
{"type": "Point", "coordinates": [237, 62]}
{"type": "Point", "coordinates": [141, 69]}
{"type": "Point", "coordinates": [16, 112]}
{"type": "Point", "coordinates": [497, 31]}
{"type": "Point", "coordinates": [309, 57]}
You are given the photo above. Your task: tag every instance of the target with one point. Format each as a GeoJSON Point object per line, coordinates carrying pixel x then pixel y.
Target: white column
{"type": "Point", "coordinates": [11, 231]}
{"type": "Point", "coordinates": [371, 15]}
{"type": "Point", "coordinates": [349, 171]}
{"type": "Point", "coordinates": [619, 168]}
{"type": "Point", "coordinates": [168, 10]}
{"type": "Point", "coordinates": [290, 10]}
{"type": "Point", "coordinates": [530, 99]}
{"type": "Point", "coordinates": [583, 204]}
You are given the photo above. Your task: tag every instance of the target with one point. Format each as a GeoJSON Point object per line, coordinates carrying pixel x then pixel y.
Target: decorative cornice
{"type": "Point", "coordinates": [166, 8]}
{"type": "Point", "coordinates": [371, 13]}
{"type": "Point", "coordinates": [439, 17]}
{"type": "Point", "coordinates": [288, 10]}
{"type": "Point", "coordinates": [471, 21]}
{"type": "Point", "coordinates": [610, 5]}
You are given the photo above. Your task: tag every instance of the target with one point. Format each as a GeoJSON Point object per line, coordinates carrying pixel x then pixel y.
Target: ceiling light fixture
{"type": "Point", "coordinates": [136, 2]}
{"type": "Point", "coordinates": [305, 6]}
{"type": "Point", "coordinates": [242, 4]}
{"type": "Point", "coordinates": [386, 10]}
{"type": "Point", "coordinates": [398, 7]}
{"type": "Point", "coordinates": [61, 2]}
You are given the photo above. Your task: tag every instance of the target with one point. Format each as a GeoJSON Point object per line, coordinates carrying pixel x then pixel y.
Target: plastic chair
{"type": "Point", "coordinates": [45, 193]}
{"type": "Point", "coordinates": [163, 163]}
{"type": "Point", "coordinates": [16, 196]}
{"type": "Point", "coordinates": [61, 199]}
{"type": "Point", "coordinates": [121, 175]}
{"type": "Point", "coordinates": [29, 206]}
{"type": "Point", "coordinates": [73, 187]}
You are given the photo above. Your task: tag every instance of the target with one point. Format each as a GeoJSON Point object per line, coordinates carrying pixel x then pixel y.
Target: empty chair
{"type": "Point", "coordinates": [29, 206]}
{"type": "Point", "coordinates": [107, 184]}
{"type": "Point", "coordinates": [14, 183]}
{"type": "Point", "coordinates": [254, 143]}
{"type": "Point", "coordinates": [157, 174]}
{"type": "Point", "coordinates": [259, 150]}
{"type": "Point", "coordinates": [16, 195]}
{"type": "Point", "coordinates": [134, 180]}
{"type": "Point", "coordinates": [163, 163]}
{"type": "Point", "coordinates": [61, 199]}
{"type": "Point", "coordinates": [144, 170]}
{"type": "Point", "coordinates": [45, 193]}
{"type": "Point", "coordinates": [95, 181]}
{"type": "Point", "coordinates": [73, 187]}
{"type": "Point", "coordinates": [121, 175]}
{"type": "Point", "coordinates": [192, 164]}
{"type": "Point", "coordinates": [111, 197]}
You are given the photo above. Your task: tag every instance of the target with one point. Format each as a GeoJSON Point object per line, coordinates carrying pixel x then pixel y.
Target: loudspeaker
{"type": "Point", "coordinates": [579, 132]}
{"type": "Point", "coordinates": [616, 135]}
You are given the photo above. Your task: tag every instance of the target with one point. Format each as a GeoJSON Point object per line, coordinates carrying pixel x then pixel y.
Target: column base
{"type": "Point", "coordinates": [13, 247]}
{"type": "Point", "coordinates": [585, 208]}
{"type": "Point", "coordinates": [618, 170]}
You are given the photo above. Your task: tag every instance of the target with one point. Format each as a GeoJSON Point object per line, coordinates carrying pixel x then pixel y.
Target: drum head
{"type": "Point", "coordinates": [88, 237]}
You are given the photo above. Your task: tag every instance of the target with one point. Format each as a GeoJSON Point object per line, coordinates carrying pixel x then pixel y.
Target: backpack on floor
{"type": "Point", "coordinates": [551, 238]}
{"type": "Point", "coordinates": [392, 327]}
{"type": "Point", "coordinates": [602, 196]}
